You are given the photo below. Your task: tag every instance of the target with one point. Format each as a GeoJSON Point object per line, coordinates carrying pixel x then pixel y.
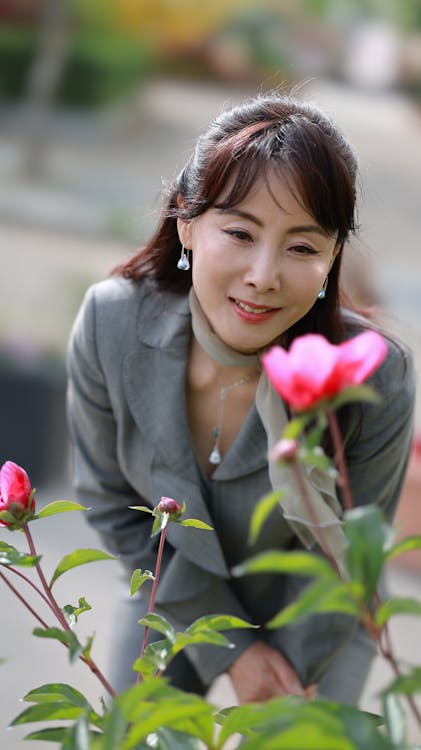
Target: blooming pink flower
{"type": "Point", "coordinates": [16, 495]}
{"type": "Point", "coordinates": [314, 369]}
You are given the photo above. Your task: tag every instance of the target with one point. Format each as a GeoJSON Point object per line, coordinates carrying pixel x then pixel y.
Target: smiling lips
{"type": "Point", "coordinates": [253, 313]}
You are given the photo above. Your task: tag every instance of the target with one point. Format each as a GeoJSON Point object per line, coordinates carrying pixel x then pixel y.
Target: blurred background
{"type": "Point", "coordinates": [101, 102]}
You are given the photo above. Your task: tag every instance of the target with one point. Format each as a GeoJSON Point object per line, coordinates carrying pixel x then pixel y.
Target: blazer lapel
{"type": "Point", "coordinates": [154, 382]}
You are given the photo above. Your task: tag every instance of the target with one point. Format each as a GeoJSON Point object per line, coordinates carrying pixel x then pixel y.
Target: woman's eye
{"type": "Point", "coordinates": [239, 234]}
{"type": "Point", "coordinates": [304, 250]}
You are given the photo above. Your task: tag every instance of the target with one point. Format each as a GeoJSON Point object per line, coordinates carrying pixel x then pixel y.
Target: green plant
{"type": "Point", "coordinates": [152, 714]}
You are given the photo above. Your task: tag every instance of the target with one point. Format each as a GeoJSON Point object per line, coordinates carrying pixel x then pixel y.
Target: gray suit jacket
{"type": "Point", "coordinates": [127, 415]}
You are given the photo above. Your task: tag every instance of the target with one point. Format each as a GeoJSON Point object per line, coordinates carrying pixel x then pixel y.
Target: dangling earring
{"type": "Point", "coordinates": [184, 263]}
{"type": "Point", "coordinates": [322, 293]}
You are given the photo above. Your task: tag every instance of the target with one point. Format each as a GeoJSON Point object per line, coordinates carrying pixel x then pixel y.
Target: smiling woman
{"type": "Point", "coordinates": [166, 385]}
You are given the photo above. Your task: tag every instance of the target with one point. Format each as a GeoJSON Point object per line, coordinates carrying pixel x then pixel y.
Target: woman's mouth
{"type": "Point", "coordinates": [251, 312]}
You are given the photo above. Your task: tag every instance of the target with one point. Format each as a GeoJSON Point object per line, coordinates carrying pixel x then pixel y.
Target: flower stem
{"type": "Point", "coordinates": [31, 583]}
{"type": "Point", "coordinates": [154, 586]}
{"type": "Point", "coordinates": [21, 599]}
{"type": "Point", "coordinates": [387, 653]}
{"type": "Point", "coordinates": [55, 607]}
{"type": "Point", "coordinates": [340, 459]}
{"type": "Point", "coordinates": [60, 617]}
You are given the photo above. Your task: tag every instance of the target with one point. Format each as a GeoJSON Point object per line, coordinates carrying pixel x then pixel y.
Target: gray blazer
{"type": "Point", "coordinates": [127, 416]}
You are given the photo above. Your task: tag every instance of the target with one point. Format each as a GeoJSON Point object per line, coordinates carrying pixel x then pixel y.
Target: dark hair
{"type": "Point", "coordinates": [269, 131]}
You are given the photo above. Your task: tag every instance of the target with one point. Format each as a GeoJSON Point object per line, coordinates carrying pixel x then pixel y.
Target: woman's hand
{"type": "Point", "coordinates": [261, 672]}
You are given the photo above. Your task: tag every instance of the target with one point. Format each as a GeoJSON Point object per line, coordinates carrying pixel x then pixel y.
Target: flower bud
{"type": "Point", "coordinates": [16, 493]}
{"type": "Point", "coordinates": [285, 449]}
{"type": "Point", "coordinates": [170, 506]}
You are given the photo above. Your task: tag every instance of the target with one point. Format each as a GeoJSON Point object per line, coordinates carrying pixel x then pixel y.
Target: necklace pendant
{"type": "Point", "coordinates": [215, 457]}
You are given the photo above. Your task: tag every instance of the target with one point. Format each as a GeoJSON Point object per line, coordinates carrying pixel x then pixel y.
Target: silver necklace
{"type": "Point", "coordinates": [215, 457]}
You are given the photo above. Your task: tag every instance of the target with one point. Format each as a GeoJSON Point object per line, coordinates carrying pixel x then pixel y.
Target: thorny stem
{"type": "Point", "coordinates": [307, 500]}
{"type": "Point", "coordinates": [340, 459]}
{"type": "Point", "coordinates": [154, 586]}
{"type": "Point", "coordinates": [58, 613]}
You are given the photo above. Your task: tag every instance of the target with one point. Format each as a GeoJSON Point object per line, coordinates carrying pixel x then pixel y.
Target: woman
{"type": "Point", "coordinates": [163, 372]}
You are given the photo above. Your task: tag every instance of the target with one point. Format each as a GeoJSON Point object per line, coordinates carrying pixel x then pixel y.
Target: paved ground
{"type": "Point", "coordinates": [96, 204]}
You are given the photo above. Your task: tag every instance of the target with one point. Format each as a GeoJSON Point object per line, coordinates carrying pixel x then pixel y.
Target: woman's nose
{"type": "Point", "coordinates": [263, 272]}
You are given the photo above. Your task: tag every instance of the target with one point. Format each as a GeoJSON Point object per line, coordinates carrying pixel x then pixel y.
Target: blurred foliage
{"type": "Point", "coordinates": [115, 43]}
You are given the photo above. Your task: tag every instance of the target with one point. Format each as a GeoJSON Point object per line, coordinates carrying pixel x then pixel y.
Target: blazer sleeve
{"type": "Point", "coordinates": [379, 436]}
{"type": "Point", "coordinates": [98, 480]}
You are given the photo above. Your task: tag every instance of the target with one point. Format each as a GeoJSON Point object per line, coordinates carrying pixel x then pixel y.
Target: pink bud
{"type": "Point", "coordinates": [16, 494]}
{"type": "Point", "coordinates": [285, 450]}
{"type": "Point", "coordinates": [170, 506]}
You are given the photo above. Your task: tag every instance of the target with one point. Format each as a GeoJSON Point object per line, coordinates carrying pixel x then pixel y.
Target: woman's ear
{"type": "Point", "coordinates": [184, 228]}
{"type": "Point", "coordinates": [336, 251]}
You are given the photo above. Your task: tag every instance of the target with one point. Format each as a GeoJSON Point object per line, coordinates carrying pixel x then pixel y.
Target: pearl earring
{"type": "Point", "coordinates": [322, 293]}
{"type": "Point", "coordinates": [183, 262]}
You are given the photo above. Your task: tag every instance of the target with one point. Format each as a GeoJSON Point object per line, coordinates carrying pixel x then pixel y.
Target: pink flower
{"type": "Point", "coordinates": [16, 494]}
{"type": "Point", "coordinates": [170, 506]}
{"type": "Point", "coordinates": [285, 449]}
{"type": "Point", "coordinates": [314, 369]}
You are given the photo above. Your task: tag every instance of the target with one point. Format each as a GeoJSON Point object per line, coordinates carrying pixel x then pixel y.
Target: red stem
{"type": "Point", "coordinates": [340, 460]}
{"type": "Point", "coordinates": [154, 588]}
{"type": "Point", "coordinates": [387, 650]}
{"type": "Point", "coordinates": [24, 602]}
{"type": "Point", "coordinates": [62, 620]}
{"type": "Point", "coordinates": [56, 609]}
{"type": "Point", "coordinates": [31, 583]}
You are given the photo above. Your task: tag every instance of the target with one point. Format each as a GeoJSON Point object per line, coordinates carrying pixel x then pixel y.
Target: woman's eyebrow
{"type": "Point", "coordinates": [241, 214]}
{"type": "Point", "coordinates": [311, 228]}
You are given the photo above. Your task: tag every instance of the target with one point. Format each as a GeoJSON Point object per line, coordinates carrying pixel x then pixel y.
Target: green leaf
{"type": "Point", "coordinates": [56, 692]}
{"type": "Point", "coordinates": [405, 684]}
{"type": "Point", "coordinates": [7, 517]}
{"type": "Point", "coordinates": [159, 623]}
{"type": "Point", "coordinates": [72, 613]}
{"type": "Point", "coordinates": [396, 606]}
{"type": "Point", "coordinates": [171, 739]}
{"type": "Point", "coordinates": [404, 545]}
{"type": "Point", "coordinates": [211, 637]}
{"type": "Point", "coordinates": [78, 736]}
{"type": "Point", "coordinates": [11, 556]}
{"type": "Point", "coordinates": [263, 509]}
{"type": "Point", "coordinates": [395, 720]}
{"type": "Point", "coordinates": [299, 563]}
{"type": "Point", "coordinates": [218, 622]}
{"type": "Point", "coordinates": [47, 711]}
{"type": "Point", "coordinates": [50, 734]}
{"type": "Point", "coordinates": [160, 522]}
{"type": "Point", "coordinates": [295, 427]}
{"type": "Point", "coordinates": [79, 557]}
{"type": "Point", "coordinates": [368, 534]}
{"type": "Point", "coordinates": [143, 508]}
{"type": "Point", "coordinates": [196, 524]}
{"type": "Point", "coordinates": [67, 637]}
{"type": "Point", "coordinates": [58, 506]}
{"type": "Point", "coordinates": [183, 712]}
{"type": "Point", "coordinates": [362, 392]}
{"type": "Point", "coordinates": [138, 579]}
{"type": "Point", "coordinates": [321, 596]}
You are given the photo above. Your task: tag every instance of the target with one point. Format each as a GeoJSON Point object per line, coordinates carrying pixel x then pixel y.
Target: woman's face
{"type": "Point", "coordinates": [259, 266]}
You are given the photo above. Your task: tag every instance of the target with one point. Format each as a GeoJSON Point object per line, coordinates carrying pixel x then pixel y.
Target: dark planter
{"type": "Point", "coordinates": [32, 413]}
